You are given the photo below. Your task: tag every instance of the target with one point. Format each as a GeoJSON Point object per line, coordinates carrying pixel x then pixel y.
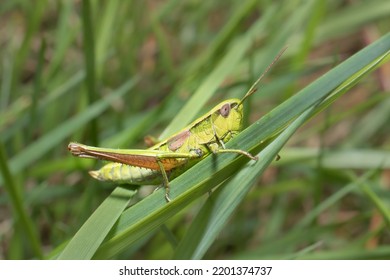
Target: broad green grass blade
{"type": "Point", "coordinates": [235, 190]}
{"type": "Point", "coordinates": [212, 218]}
{"type": "Point", "coordinates": [89, 237]}
{"type": "Point", "coordinates": [152, 211]}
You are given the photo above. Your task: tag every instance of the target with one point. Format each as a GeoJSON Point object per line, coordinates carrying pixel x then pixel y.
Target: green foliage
{"type": "Point", "coordinates": [113, 72]}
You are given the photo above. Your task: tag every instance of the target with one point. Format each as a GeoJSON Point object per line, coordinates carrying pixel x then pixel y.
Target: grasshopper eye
{"type": "Point", "coordinates": [225, 110]}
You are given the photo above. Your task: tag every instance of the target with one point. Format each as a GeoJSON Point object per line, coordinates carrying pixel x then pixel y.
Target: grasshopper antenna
{"type": "Point", "coordinates": [253, 88]}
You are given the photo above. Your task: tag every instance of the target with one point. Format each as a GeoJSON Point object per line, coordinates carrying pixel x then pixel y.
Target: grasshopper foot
{"type": "Point", "coordinates": [249, 155]}
{"type": "Point", "coordinates": [167, 198]}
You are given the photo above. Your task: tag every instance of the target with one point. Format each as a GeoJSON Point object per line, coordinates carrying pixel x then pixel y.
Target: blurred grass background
{"type": "Point", "coordinates": [109, 73]}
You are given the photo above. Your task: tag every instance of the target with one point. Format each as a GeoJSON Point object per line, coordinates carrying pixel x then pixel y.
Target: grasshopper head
{"type": "Point", "coordinates": [228, 117]}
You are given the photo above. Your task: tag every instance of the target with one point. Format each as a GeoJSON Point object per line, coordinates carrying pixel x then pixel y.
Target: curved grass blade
{"type": "Point", "coordinates": [226, 200]}
{"type": "Point", "coordinates": [331, 200]}
{"type": "Point", "coordinates": [152, 211]}
{"type": "Point", "coordinates": [222, 203]}
{"type": "Point", "coordinates": [89, 237]}
{"type": "Point", "coordinates": [378, 203]}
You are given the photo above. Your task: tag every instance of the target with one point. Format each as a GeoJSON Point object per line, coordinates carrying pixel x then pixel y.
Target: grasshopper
{"type": "Point", "coordinates": [172, 156]}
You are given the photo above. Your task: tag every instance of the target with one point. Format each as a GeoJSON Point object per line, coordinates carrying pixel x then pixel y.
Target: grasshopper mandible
{"type": "Point", "coordinates": [172, 156]}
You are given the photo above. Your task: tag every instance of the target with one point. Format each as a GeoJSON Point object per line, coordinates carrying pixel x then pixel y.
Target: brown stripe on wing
{"type": "Point", "coordinates": [178, 140]}
{"type": "Point", "coordinates": [134, 160]}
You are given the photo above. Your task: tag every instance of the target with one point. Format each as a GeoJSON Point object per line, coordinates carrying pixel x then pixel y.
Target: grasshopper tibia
{"type": "Point", "coordinates": [216, 149]}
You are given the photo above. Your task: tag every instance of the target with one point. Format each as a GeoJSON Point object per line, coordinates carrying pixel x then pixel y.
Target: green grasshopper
{"type": "Point", "coordinates": [172, 156]}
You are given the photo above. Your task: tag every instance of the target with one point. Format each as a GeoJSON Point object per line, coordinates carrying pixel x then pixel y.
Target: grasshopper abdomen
{"type": "Point", "coordinates": [127, 174]}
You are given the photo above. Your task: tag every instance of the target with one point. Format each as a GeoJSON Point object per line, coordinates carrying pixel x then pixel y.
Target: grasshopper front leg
{"type": "Point", "coordinates": [214, 147]}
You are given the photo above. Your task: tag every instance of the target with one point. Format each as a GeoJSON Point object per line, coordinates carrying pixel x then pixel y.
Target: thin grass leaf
{"type": "Point", "coordinates": [339, 159]}
{"type": "Point", "coordinates": [6, 81]}
{"type": "Point", "coordinates": [362, 159]}
{"type": "Point", "coordinates": [163, 42]}
{"type": "Point", "coordinates": [332, 200]}
{"type": "Point", "coordinates": [373, 122]}
{"type": "Point", "coordinates": [377, 201]}
{"type": "Point", "coordinates": [307, 250]}
{"type": "Point", "coordinates": [37, 91]}
{"type": "Point", "coordinates": [89, 56]}
{"type": "Point", "coordinates": [346, 20]}
{"type": "Point", "coordinates": [278, 215]}
{"type": "Point", "coordinates": [380, 253]}
{"type": "Point", "coordinates": [64, 36]}
{"type": "Point", "coordinates": [19, 121]}
{"type": "Point", "coordinates": [32, 27]}
{"type": "Point", "coordinates": [105, 34]}
{"type": "Point", "coordinates": [14, 192]}
{"type": "Point", "coordinates": [278, 244]}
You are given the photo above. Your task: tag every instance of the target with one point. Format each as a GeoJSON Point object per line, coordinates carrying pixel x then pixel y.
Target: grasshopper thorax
{"type": "Point", "coordinates": [227, 119]}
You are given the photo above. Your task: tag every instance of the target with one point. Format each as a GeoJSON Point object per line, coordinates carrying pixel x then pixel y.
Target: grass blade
{"type": "Point", "coordinates": [89, 237]}
{"type": "Point", "coordinates": [89, 54]}
{"type": "Point", "coordinates": [225, 200]}
{"type": "Point", "coordinates": [17, 205]}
